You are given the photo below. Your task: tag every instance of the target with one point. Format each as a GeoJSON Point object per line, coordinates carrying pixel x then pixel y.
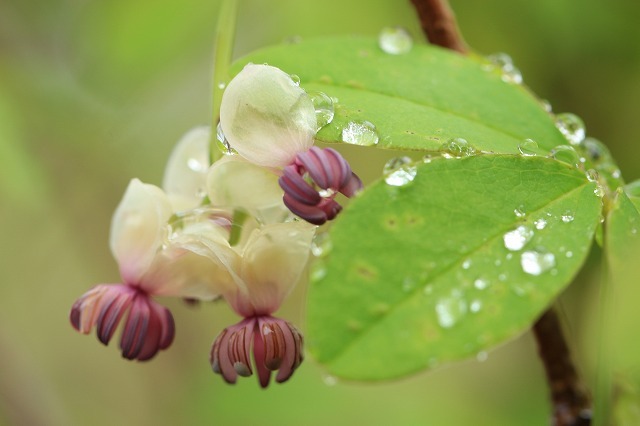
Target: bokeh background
{"type": "Point", "coordinates": [93, 93]}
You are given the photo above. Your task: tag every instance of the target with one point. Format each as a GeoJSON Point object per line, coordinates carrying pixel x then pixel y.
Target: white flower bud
{"type": "Point", "coordinates": [266, 117]}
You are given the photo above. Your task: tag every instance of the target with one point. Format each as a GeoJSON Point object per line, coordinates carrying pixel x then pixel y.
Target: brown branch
{"type": "Point", "coordinates": [570, 400]}
{"type": "Point", "coordinates": [439, 24]}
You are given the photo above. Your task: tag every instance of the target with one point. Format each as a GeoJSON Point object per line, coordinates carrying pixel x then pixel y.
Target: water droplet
{"type": "Point", "coordinates": [569, 254]}
{"type": "Point", "coordinates": [540, 224]}
{"type": "Point", "coordinates": [536, 262]}
{"type": "Point", "coordinates": [321, 245]}
{"type": "Point", "coordinates": [222, 85]}
{"type": "Point", "coordinates": [427, 159]}
{"type": "Point", "coordinates": [324, 108]}
{"type": "Point", "coordinates": [571, 126]}
{"type": "Point", "coordinates": [399, 171]}
{"type": "Point", "coordinates": [596, 150]}
{"type": "Point", "coordinates": [395, 40]}
{"type": "Point", "coordinates": [567, 216]}
{"type": "Point", "coordinates": [295, 78]}
{"type": "Point", "coordinates": [450, 310]}
{"type": "Point", "coordinates": [475, 306]}
{"type": "Point", "coordinates": [509, 256]}
{"type": "Point", "coordinates": [520, 211]}
{"type": "Point", "coordinates": [481, 283]}
{"type": "Point", "coordinates": [466, 264]}
{"type": "Point", "coordinates": [566, 154]}
{"type": "Point", "coordinates": [330, 380]}
{"type": "Point", "coordinates": [515, 240]}
{"type": "Point", "coordinates": [222, 143]}
{"type": "Point", "coordinates": [360, 133]}
{"type": "Point", "coordinates": [502, 277]}
{"type": "Point", "coordinates": [592, 175]}
{"type": "Point", "coordinates": [528, 148]}
{"type": "Point", "coordinates": [482, 356]}
{"type": "Point", "coordinates": [600, 190]}
{"type": "Point", "coordinates": [428, 290]}
{"type": "Point", "coordinates": [546, 105]}
{"type": "Point", "coordinates": [457, 147]}
{"type": "Point", "coordinates": [504, 64]}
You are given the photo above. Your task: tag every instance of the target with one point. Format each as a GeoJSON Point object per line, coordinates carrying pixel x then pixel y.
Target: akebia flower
{"type": "Point", "coordinates": [186, 169]}
{"type": "Point", "coordinates": [329, 172]}
{"type": "Point", "coordinates": [270, 121]}
{"type": "Point", "coordinates": [138, 234]}
{"type": "Point", "coordinates": [266, 117]}
{"type": "Point", "coordinates": [271, 263]}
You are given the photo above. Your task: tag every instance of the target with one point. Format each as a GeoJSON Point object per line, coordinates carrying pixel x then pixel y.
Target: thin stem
{"type": "Point", "coordinates": [439, 24]}
{"type": "Point", "coordinates": [571, 402]}
{"type": "Point", "coordinates": [223, 48]}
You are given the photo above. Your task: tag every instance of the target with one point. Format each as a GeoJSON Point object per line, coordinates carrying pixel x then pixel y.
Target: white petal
{"type": "Point", "coordinates": [273, 260]}
{"type": "Point", "coordinates": [198, 263]}
{"type": "Point", "coordinates": [137, 228]}
{"type": "Point", "coordinates": [266, 117]}
{"type": "Point", "coordinates": [234, 183]}
{"type": "Point", "coordinates": [186, 170]}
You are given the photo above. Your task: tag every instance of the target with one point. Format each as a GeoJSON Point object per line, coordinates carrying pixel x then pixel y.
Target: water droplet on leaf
{"type": "Point", "coordinates": [504, 63]}
{"type": "Point", "coordinates": [395, 40]}
{"type": "Point", "coordinates": [566, 154]}
{"type": "Point", "coordinates": [450, 310]}
{"type": "Point", "coordinates": [360, 133]}
{"type": "Point", "coordinates": [515, 240]}
{"type": "Point", "coordinates": [536, 262]}
{"type": "Point", "coordinates": [540, 224]}
{"type": "Point", "coordinates": [399, 171]}
{"type": "Point", "coordinates": [528, 147]}
{"type": "Point", "coordinates": [457, 147]}
{"type": "Point", "coordinates": [481, 283]}
{"type": "Point", "coordinates": [567, 216]}
{"type": "Point", "coordinates": [520, 211]}
{"type": "Point", "coordinates": [571, 126]}
{"type": "Point", "coordinates": [324, 108]}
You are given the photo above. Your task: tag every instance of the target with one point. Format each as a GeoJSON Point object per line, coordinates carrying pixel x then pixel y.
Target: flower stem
{"type": "Point", "coordinates": [223, 48]}
{"type": "Point", "coordinates": [570, 400]}
{"type": "Point", "coordinates": [439, 24]}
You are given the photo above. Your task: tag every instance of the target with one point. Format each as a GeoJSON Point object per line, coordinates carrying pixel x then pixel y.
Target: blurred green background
{"type": "Point", "coordinates": [93, 93]}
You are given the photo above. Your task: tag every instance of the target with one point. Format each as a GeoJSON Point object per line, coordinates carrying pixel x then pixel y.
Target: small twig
{"type": "Point", "coordinates": [571, 403]}
{"type": "Point", "coordinates": [439, 24]}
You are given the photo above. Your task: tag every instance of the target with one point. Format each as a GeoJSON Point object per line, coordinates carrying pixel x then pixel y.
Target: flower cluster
{"type": "Point", "coordinates": [225, 230]}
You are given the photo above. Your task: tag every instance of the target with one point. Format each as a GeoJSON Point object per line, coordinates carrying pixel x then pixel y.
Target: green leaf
{"type": "Point", "coordinates": [419, 274]}
{"type": "Point", "coordinates": [417, 100]}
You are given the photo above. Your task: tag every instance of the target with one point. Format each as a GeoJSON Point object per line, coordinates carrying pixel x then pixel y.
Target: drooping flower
{"type": "Point", "coordinates": [186, 170]}
{"type": "Point", "coordinates": [271, 121]}
{"type": "Point", "coordinates": [266, 117]}
{"type": "Point", "coordinates": [233, 182]}
{"type": "Point", "coordinates": [272, 261]}
{"type": "Point", "coordinates": [183, 269]}
{"type": "Point", "coordinates": [330, 172]}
